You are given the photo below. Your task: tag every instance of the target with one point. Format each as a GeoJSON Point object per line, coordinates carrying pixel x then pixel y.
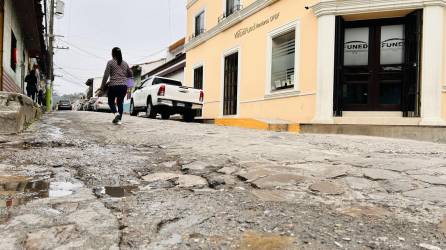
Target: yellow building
{"type": "Point", "coordinates": [320, 61]}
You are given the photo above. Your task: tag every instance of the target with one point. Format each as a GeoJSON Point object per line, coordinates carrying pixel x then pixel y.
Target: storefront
{"type": "Point", "coordinates": [320, 61]}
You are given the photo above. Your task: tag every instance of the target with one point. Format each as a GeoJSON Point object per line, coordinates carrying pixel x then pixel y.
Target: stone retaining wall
{"type": "Point", "coordinates": [16, 112]}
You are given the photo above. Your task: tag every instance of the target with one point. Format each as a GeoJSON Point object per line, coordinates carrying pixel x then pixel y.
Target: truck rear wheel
{"type": "Point", "coordinates": [165, 115]}
{"type": "Point", "coordinates": [133, 112]}
{"type": "Point", "coordinates": [150, 110]}
{"type": "Point", "coordinates": [189, 116]}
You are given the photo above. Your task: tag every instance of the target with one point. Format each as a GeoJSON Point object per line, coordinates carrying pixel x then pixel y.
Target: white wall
{"type": "Point", "coordinates": [11, 24]}
{"type": "Point", "coordinates": [177, 75]}
{"type": "Point", "coordinates": [97, 82]}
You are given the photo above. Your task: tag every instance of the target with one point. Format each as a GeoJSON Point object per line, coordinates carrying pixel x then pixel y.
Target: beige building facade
{"type": "Point", "coordinates": [320, 61]}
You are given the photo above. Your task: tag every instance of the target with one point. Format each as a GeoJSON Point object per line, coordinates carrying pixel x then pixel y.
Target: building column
{"type": "Point", "coordinates": [2, 28]}
{"type": "Point", "coordinates": [432, 65]}
{"type": "Point", "coordinates": [325, 69]}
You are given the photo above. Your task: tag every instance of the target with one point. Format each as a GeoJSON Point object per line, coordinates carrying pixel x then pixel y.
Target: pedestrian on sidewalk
{"type": "Point", "coordinates": [116, 89]}
{"type": "Point", "coordinates": [31, 85]}
{"type": "Point", "coordinates": [40, 97]}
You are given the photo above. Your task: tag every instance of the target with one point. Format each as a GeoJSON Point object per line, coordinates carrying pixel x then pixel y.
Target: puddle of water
{"type": "Point", "coordinates": [257, 241]}
{"type": "Point", "coordinates": [60, 189]}
{"type": "Point", "coordinates": [117, 192]}
{"type": "Point", "coordinates": [19, 190]}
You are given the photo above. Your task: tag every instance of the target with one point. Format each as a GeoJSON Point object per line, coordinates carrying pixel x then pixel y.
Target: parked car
{"type": "Point", "coordinates": [64, 105]}
{"type": "Point", "coordinates": [88, 106]}
{"type": "Point", "coordinates": [158, 95]}
{"type": "Point", "coordinates": [77, 105]}
{"type": "Point", "coordinates": [101, 104]}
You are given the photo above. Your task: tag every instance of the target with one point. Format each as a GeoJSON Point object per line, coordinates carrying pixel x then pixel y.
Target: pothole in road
{"type": "Point", "coordinates": [19, 190]}
{"type": "Point", "coordinates": [369, 211]}
{"type": "Point", "coordinates": [115, 191]}
{"type": "Point", "coordinates": [24, 145]}
{"type": "Point", "coordinates": [258, 241]}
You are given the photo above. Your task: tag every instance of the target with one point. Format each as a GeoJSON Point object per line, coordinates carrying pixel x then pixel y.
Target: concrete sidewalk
{"type": "Point", "coordinates": [16, 112]}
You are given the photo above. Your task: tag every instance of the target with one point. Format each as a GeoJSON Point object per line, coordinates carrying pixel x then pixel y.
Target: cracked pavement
{"type": "Point", "coordinates": [75, 181]}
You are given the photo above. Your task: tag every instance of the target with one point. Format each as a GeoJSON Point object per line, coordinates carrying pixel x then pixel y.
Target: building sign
{"type": "Point", "coordinates": [392, 44]}
{"type": "Point", "coordinates": [244, 31]}
{"type": "Point", "coordinates": [356, 47]}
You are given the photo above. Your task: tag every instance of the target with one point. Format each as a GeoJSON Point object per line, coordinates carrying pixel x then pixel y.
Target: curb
{"type": "Point", "coordinates": [266, 125]}
{"type": "Point", "coordinates": [17, 112]}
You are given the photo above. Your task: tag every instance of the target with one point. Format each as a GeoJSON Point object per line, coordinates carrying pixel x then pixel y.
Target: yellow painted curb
{"type": "Point", "coordinates": [257, 124]}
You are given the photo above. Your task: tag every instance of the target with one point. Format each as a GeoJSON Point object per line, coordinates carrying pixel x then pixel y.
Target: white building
{"type": "Point", "coordinates": [21, 36]}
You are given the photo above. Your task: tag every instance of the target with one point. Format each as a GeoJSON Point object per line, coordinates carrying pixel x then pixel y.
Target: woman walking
{"type": "Point", "coordinates": [119, 72]}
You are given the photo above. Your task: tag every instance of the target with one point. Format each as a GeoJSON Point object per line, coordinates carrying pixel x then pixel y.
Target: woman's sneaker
{"type": "Point", "coordinates": [117, 120]}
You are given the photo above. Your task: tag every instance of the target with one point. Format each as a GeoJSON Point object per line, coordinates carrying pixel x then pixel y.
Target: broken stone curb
{"type": "Point", "coordinates": [16, 112]}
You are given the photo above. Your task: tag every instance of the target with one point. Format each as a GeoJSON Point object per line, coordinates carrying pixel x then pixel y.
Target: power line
{"type": "Point", "coordinates": [72, 81]}
{"type": "Point", "coordinates": [71, 74]}
{"type": "Point", "coordinates": [137, 61]}
{"type": "Point", "coordinates": [85, 51]}
{"type": "Point", "coordinates": [76, 68]}
{"type": "Point", "coordinates": [79, 69]}
{"type": "Point", "coordinates": [68, 77]}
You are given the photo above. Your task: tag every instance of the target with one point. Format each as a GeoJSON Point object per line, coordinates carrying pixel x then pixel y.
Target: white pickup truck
{"type": "Point", "coordinates": [158, 95]}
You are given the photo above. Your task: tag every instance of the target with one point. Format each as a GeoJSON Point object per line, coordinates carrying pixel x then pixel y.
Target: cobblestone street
{"type": "Point", "coordinates": [74, 180]}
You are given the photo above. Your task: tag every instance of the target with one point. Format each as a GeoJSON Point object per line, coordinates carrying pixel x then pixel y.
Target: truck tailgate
{"type": "Point", "coordinates": [182, 94]}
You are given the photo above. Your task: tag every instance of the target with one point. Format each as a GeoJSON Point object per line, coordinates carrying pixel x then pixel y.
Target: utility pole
{"type": "Point", "coordinates": [49, 91]}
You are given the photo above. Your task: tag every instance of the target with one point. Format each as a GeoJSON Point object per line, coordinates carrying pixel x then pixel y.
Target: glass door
{"type": "Point", "coordinates": [372, 62]}
{"type": "Point", "coordinates": [356, 78]}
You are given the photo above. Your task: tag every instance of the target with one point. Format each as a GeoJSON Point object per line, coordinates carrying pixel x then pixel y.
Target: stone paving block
{"type": "Point", "coordinates": [428, 246]}
{"type": "Point", "coordinates": [434, 194]}
{"type": "Point", "coordinates": [160, 177]}
{"type": "Point", "coordinates": [442, 226]}
{"type": "Point", "coordinates": [228, 170]}
{"type": "Point", "coordinates": [191, 181]}
{"type": "Point", "coordinates": [398, 185]}
{"type": "Point", "coordinates": [380, 174]}
{"type": "Point", "coordinates": [169, 164]}
{"type": "Point", "coordinates": [254, 174]}
{"type": "Point", "coordinates": [277, 195]}
{"type": "Point", "coordinates": [335, 172]}
{"type": "Point", "coordinates": [434, 180]}
{"type": "Point", "coordinates": [278, 181]}
{"type": "Point", "coordinates": [196, 167]}
{"type": "Point", "coordinates": [57, 236]}
{"type": "Point", "coordinates": [359, 183]}
{"type": "Point", "coordinates": [327, 187]}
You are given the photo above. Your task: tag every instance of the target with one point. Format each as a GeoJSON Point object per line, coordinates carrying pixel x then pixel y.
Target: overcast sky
{"type": "Point", "coordinates": [91, 28]}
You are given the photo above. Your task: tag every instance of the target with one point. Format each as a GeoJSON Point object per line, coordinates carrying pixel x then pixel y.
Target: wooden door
{"type": "Point", "coordinates": [230, 84]}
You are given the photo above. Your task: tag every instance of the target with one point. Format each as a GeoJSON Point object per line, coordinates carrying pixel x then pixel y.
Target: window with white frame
{"type": "Point", "coordinates": [199, 23]}
{"type": "Point", "coordinates": [283, 60]}
{"type": "Point", "coordinates": [232, 6]}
